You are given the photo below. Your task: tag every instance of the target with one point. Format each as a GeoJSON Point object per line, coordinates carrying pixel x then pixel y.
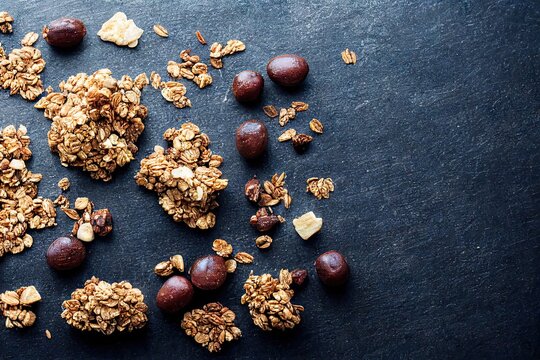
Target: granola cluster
{"type": "Point", "coordinates": [185, 176]}
{"type": "Point", "coordinates": [190, 68]}
{"type": "Point", "coordinates": [6, 22]}
{"type": "Point", "coordinates": [20, 207]}
{"type": "Point", "coordinates": [96, 121]}
{"type": "Point", "coordinates": [106, 308]}
{"type": "Point", "coordinates": [211, 326]}
{"type": "Point", "coordinates": [218, 51]}
{"type": "Point", "coordinates": [320, 188]}
{"type": "Point", "coordinates": [20, 71]}
{"type": "Point", "coordinates": [15, 307]}
{"type": "Point", "coordinates": [269, 301]}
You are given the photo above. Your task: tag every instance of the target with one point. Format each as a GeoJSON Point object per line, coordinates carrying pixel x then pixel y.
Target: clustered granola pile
{"type": "Point", "coordinates": [185, 176]}
{"type": "Point", "coordinates": [106, 308]}
{"type": "Point", "coordinates": [211, 326]}
{"type": "Point", "coordinates": [20, 207]}
{"type": "Point", "coordinates": [6, 22]}
{"type": "Point", "coordinates": [20, 69]}
{"type": "Point", "coordinates": [320, 188]}
{"type": "Point", "coordinates": [269, 301]}
{"type": "Point", "coordinates": [15, 307]}
{"type": "Point", "coordinates": [96, 121]}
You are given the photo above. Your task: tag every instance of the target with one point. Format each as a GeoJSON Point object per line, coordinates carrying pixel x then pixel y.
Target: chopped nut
{"type": "Point", "coordinates": [348, 56]}
{"type": "Point", "coordinates": [287, 135]}
{"type": "Point", "coordinates": [81, 203]}
{"type": "Point", "coordinates": [200, 37]}
{"type": "Point", "coordinates": [64, 184]}
{"type": "Point", "coordinates": [301, 142]}
{"type": "Point", "coordinates": [320, 188]}
{"type": "Point", "coordinates": [29, 39]}
{"type": "Point", "coordinates": [6, 22]}
{"type": "Point", "coordinates": [14, 307]}
{"type": "Point", "coordinates": [263, 242]}
{"type": "Point", "coordinates": [269, 301]}
{"type": "Point", "coordinates": [85, 232]}
{"type": "Point", "coordinates": [121, 31]}
{"type": "Point", "coordinates": [160, 30]}
{"type": "Point", "coordinates": [164, 268]}
{"type": "Point", "coordinates": [270, 111]}
{"type": "Point", "coordinates": [243, 258]}
{"type": "Point", "coordinates": [177, 262]}
{"type": "Point", "coordinates": [102, 222]}
{"type": "Point", "coordinates": [299, 106]}
{"type": "Point", "coordinates": [211, 326]}
{"type": "Point", "coordinates": [316, 126]}
{"type": "Point", "coordinates": [222, 248]}
{"type": "Point", "coordinates": [252, 189]}
{"type": "Point", "coordinates": [285, 115]}
{"type": "Point", "coordinates": [106, 308]}
{"type": "Point", "coordinates": [230, 265]}
{"type": "Point", "coordinates": [307, 225]}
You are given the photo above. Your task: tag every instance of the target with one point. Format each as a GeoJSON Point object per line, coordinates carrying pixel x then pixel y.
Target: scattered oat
{"type": "Point", "coordinates": [160, 30]}
{"type": "Point", "coordinates": [299, 106]}
{"type": "Point", "coordinates": [71, 213]}
{"type": "Point", "coordinates": [106, 308]}
{"type": "Point", "coordinates": [230, 265]}
{"type": "Point", "coordinates": [100, 136]}
{"type": "Point", "coordinates": [222, 248]}
{"type": "Point", "coordinates": [164, 268]}
{"type": "Point", "coordinates": [211, 326]}
{"type": "Point", "coordinates": [320, 188]}
{"type": "Point", "coordinates": [243, 258]}
{"type": "Point", "coordinates": [269, 301]}
{"type": "Point", "coordinates": [175, 92]}
{"type": "Point", "coordinates": [190, 68]}
{"type": "Point", "coordinates": [287, 135]}
{"type": "Point", "coordinates": [200, 37]}
{"type": "Point", "coordinates": [218, 51]}
{"type": "Point", "coordinates": [285, 115]}
{"type": "Point", "coordinates": [348, 56]}
{"type": "Point", "coordinates": [177, 262]}
{"type": "Point", "coordinates": [48, 334]}
{"type": "Point", "coordinates": [29, 39]}
{"type": "Point", "coordinates": [121, 31]}
{"type": "Point", "coordinates": [274, 191]}
{"type": "Point", "coordinates": [263, 242]}
{"type": "Point", "coordinates": [185, 176]}
{"type": "Point", "coordinates": [155, 80]}
{"type": "Point", "coordinates": [6, 22]}
{"type": "Point", "coordinates": [270, 111]}
{"type": "Point", "coordinates": [64, 184]}
{"type": "Point", "coordinates": [15, 307]}
{"type": "Point", "coordinates": [316, 126]}
{"type": "Point", "coordinates": [307, 225]}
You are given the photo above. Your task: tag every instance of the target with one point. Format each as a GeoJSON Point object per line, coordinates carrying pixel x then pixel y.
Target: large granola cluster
{"type": "Point", "coordinates": [269, 301]}
{"type": "Point", "coordinates": [20, 207]}
{"type": "Point", "coordinates": [19, 72]}
{"type": "Point", "coordinates": [96, 121]}
{"type": "Point", "coordinates": [106, 308]}
{"type": "Point", "coordinates": [185, 176]}
{"type": "Point", "coordinates": [15, 307]}
{"type": "Point", "coordinates": [211, 326]}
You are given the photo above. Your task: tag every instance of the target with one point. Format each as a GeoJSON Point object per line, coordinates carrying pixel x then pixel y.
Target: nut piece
{"type": "Point", "coordinates": [301, 141]}
{"type": "Point", "coordinates": [243, 258]}
{"type": "Point", "coordinates": [160, 30]}
{"type": "Point", "coordinates": [316, 126]}
{"type": "Point", "coordinates": [102, 222]}
{"type": "Point", "coordinates": [252, 190]}
{"type": "Point", "coordinates": [348, 56]}
{"type": "Point", "coordinates": [14, 306]}
{"type": "Point", "coordinates": [230, 265]}
{"type": "Point", "coordinates": [263, 242]}
{"type": "Point", "coordinates": [307, 225]}
{"type": "Point", "coordinates": [299, 106]}
{"type": "Point", "coordinates": [121, 31]}
{"type": "Point", "coordinates": [177, 262]}
{"type": "Point", "coordinates": [222, 248]}
{"type": "Point", "coordinates": [85, 232]}
{"type": "Point", "coordinates": [64, 184]}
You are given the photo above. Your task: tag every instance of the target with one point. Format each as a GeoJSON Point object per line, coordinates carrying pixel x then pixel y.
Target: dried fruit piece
{"type": "Point", "coordinates": [348, 56]}
{"type": "Point", "coordinates": [263, 242]}
{"type": "Point", "coordinates": [299, 276]}
{"type": "Point", "coordinates": [200, 37]}
{"type": "Point", "coordinates": [160, 30]}
{"type": "Point", "coordinates": [222, 248]}
{"type": "Point", "coordinates": [102, 222]}
{"type": "Point", "coordinates": [307, 225]}
{"type": "Point", "coordinates": [316, 126]}
{"type": "Point", "coordinates": [264, 220]}
{"type": "Point", "coordinates": [121, 31]}
{"type": "Point", "coordinates": [243, 258]}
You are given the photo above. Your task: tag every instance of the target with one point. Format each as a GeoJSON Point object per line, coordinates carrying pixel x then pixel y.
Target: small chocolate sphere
{"type": "Point", "coordinates": [332, 268]}
{"type": "Point", "coordinates": [251, 139]}
{"type": "Point", "coordinates": [175, 294]}
{"type": "Point", "coordinates": [287, 70]}
{"type": "Point", "coordinates": [64, 32]}
{"type": "Point", "coordinates": [247, 86]}
{"type": "Point", "coordinates": [65, 253]}
{"type": "Point", "coordinates": [208, 272]}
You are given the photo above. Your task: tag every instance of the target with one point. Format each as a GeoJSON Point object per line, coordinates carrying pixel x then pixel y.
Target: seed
{"type": "Point", "coordinates": [64, 32]}
{"type": "Point", "coordinates": [160, 30]}
{"type": "Point", "coordinates": [48, 334]}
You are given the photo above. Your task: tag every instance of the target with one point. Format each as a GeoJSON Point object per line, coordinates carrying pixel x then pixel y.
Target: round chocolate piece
{"type": "Point", "coordinates": [287, 70]}
{"type": "Point", "coordinates": [175, 294]}
{"type": "Point", "coordinates": [64, 32]}
{"type": "Point", "coordinates": [332, 268]}
{"type": "Point", "coordinates": [208, 272]}
{"type": "Point", "coordinates": [65, 253]}
{"type": "Point", "coordinates": [247, 86]}
{"type": "Point", "coordinates": [251, 139]}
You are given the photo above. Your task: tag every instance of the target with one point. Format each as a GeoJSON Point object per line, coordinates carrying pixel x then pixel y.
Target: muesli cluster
{"type": "Point", "coordinates": [218, 51]}
{"type": "Point", "coordinates": [106, 308]}
{"type": "Point", "coordinates": [6, 22]}
{"type": "Point", "coordinates": [320, 188]}
{"type": "Point", "coordinates": [20, 206]}
{"type": "Point", "coordinates": [269, 301]}
{"type": "Point", "coordinates": [96, 121]}
{"type": "Point", "coordinates": [190, 68]}
{"type": "Point", "coordinates": [185, 176]}
{"type": "Point", "coordinates": [15, 306]}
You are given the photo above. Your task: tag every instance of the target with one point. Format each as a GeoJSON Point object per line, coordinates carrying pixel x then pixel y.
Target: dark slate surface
{"type": "Point", "coordinates": [432, 140]}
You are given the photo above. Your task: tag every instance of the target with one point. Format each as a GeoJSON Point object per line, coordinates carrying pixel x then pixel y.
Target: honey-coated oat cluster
{"type": "Point", "coordinates": [96, 121]}
{"type": "Point", "coordinates": [185, 176]}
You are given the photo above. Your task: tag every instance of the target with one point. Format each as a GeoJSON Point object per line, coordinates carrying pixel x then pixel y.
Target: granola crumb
{"type": "Point", "coordinates": [222, 248]}
{"type": "Point", "coordinates": [200, 37]}
{"type": "Point", "coordinates": [316, 126]}
{"type": "Point", "coordinates": [287, 135]}
{"type": "Point", "coordinates": [348, 56]}
{"type": "Point", "coordinates": [230, 265]}
{"type": "Point", "coordinates": [299, 106]}
{"type": "Point", "coordinates": [64, 184]}
{"type": "Point", "coordinates": [218, 51]}
{"type": "Point", "coordinates": [29, 39]}
{"type": "Point", "coordinates": [263, 242]}
{"type": "Point", "coordinates": [243, 258]}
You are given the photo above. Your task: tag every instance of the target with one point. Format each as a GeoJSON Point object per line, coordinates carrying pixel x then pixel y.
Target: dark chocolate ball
{"type": "Point", "coordinates": [64, 32]}
{"type": "Point", "coordinates": [251, 139]}
{"type": "Point", "coordinates": [175, 294]}
{"type": "Point", "coordinates": [247, 86]}
{"type": "Point", "coordinates": [332, 268]}
{"type": "Point", "coordinates": [208, 272]}
{"type": "Point", "coordinates": [65, 253]}
{"type": "Point", "coordinates": [288, 69]}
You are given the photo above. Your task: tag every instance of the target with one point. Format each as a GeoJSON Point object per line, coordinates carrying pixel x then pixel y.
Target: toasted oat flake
{"type": "Point", "coordinates": [316, 126]}
{"type": "Point", "coordinates": [299, 106]}
{"type": "Point", "coordinates": [270, 111]}
{"type": "Point", "coordinates": [218, 51]}
{"type": "Point", "coordinates": [320, 188]}
{"type": "Point", "coordinates": [200, 37]}
{"type": "Point", "coordinates": [348, 56]}
{"type": "Point", "coordinates": [160, 30]}
{"type": "Point", "coordinates": [263, 242]}
{"type": "Point", "coordinates": [285, 115]}
{"type": "Point", "coordinates": [64, 184]}
{"type": "Point", "coordinates": [243, 258]}
{"type": "Point", "coordinates": [164, 268]}
{"type": "Point", "coordinates": [287, 135]}
{"type": "Point", "coordinates": [222, 248]}
{"type": "Point", "coordinates": [71, 213]}
{"type": "Point", "coordinates": [29, 39]}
